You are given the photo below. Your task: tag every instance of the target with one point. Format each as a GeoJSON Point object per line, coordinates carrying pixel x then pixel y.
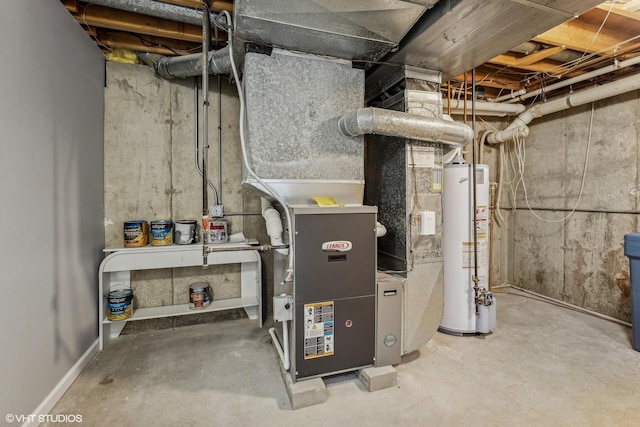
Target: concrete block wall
{"type": "Point", "coordinates": [150, 174]}
{"type": "Point", "coordinates": [580, 260]}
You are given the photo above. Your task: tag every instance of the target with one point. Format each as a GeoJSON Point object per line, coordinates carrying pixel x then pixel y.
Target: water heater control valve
{"type": "Point", "coordinates": [282, 308]}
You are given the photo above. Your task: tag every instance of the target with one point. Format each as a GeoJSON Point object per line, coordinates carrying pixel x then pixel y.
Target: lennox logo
{"type": "Point", "coordinates": [337, 245]}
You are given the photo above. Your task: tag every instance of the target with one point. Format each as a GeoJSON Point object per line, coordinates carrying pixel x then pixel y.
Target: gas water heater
{"type": "Point", "coordinates": [466, 310]}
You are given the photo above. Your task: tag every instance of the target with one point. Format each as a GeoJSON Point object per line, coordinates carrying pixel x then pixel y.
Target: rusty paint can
{"type": "Point", "coordinates": [120, 304]}
{"type": "Point", "coordinates": [161, 233]}
{"type": "Point", "coordinates": [136, 233]}
{"type": "Point", "coordinates": [200, 295]}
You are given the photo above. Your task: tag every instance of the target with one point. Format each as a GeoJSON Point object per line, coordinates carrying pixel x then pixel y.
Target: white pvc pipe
{"type": "Point", "coordinates": [381, 230]}
{"type": "Point", "coordinates": [595, 73]}
{"type": "Point", "coordinates": [576, 99]}
{"type": "Point", "coordinates": [484, 108]}
{"type": "Point", "coordinates": [274, 225]}
{"type": "Point", "coordinates": [283, 352]}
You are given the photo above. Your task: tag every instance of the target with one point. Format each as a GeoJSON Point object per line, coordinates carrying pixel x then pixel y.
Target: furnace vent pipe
{"type": "Point", "coordinates": [176, 67]}
{"type": "Point", "coordinates": [155, 8]}
{"type": "Point", "coordinates": [274, 225]}
{"type": "Point", "coordinates": [379, 121]}
{"type": "Point", "coordinates": [598, 93]}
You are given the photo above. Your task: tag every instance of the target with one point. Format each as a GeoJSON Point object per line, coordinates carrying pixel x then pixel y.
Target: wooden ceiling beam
{"type": "Point", "coordinates": [488, 80]}
{"type": "Point", "coordinates": [117, 39]}
{"type": "Point", "coordinates": [510, 59]}
{"type": "Point", "coordinates": [105, 17]}
{"type": "Point", "coordinates": [534, 57]}
{"type": "Point", "coordinates": [578, 34]}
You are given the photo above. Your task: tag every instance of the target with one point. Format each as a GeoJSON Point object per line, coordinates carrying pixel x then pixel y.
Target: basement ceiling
{"type": "Point", "coordinates": [512, 44]}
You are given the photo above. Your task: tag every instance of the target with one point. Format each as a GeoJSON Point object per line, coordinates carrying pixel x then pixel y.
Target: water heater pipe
{"type": "Point", "coordinates": [379, 121]}
{"type": "Point", "coordinates": [576, 99]}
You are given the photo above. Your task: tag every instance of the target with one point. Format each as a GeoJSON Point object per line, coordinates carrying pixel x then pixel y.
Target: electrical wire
{"type": "Point", "coordinates": [242, 118]}
{"type": "Point", "coordinates": [584, 174]}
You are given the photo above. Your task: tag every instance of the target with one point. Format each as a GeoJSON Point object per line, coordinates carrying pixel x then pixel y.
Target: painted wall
{"type": "Point", "coordinates": [150, 174]}
{"type": "Point", "coordinates": [51, 169]}
{"type": "Point", "coordinates": [580, 260]}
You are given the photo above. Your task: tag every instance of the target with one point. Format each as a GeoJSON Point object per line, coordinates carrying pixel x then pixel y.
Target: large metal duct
{"type": "Point", "coordinates": [379, 121]}
{"type": "Point", "coordinates": [187, 65]}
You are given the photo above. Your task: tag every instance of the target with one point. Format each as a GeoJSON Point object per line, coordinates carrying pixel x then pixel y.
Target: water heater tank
{"type": "Point", "coordinates": [459, 315]}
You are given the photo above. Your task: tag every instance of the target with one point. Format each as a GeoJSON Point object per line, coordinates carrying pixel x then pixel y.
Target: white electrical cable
{"type": "Point", "coordinates": [267, 187]}
{"type": "Point", "coordinates": [584, 174]}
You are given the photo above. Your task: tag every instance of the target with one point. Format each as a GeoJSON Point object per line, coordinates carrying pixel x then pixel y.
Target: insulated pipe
{"type": "Point", "coordinates": [379, 121]}
{"type": "Point", "coordinates": [617, 65]}
{"type": "Point", "coordinates": [155, 8]}
{"type": "Point", "coordinates": [586, 96]}
{"type": "Point", "coordinates": [175, 67]}
{"type": "Point", "coordinates": [484, 108]}
{"type": "Point", "coordinates": [274, 225]}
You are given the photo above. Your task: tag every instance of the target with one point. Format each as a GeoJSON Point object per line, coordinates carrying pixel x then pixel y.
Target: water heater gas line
{"type": "Point", "coordinates": [475, 278]}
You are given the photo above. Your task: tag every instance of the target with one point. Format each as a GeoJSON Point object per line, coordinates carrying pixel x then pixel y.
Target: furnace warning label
{"type": "Point", "coordinates": [318, 329]}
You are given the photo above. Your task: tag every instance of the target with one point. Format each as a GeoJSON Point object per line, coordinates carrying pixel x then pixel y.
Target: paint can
{"type": "Point", "coordinates": [120, 304]}
{"type": "Point", "coordinates": [185, 232]}
{"type": "Point", "coordinates": [217, 232]}
{"type": "Point", "coordinates": [200, 295]}
{"type": "Point", "coordinates": [161, 233]}
{"type": "Point", "coordinates": [136, 233]}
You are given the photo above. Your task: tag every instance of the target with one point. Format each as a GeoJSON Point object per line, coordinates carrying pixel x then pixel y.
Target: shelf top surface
{"type": "Point", "coordinates": [174, 247]}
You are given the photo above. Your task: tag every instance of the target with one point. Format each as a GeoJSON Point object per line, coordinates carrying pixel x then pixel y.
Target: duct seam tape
{"type": "Point", "coordinates": [427, 223]}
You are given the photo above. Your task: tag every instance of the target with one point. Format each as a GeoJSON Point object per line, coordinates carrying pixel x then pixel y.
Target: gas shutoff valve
{"type": "Point", "coordinates": [486, 298]}
{"type": "Point", "coordinates": [282, 308]}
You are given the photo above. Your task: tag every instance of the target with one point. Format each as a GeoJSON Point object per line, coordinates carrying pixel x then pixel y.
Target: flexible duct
{"type": "Point", "coordinates": [274, 225]}
{"type": "Point", "coordinates": [379, 121]}
{"type": "Point", "coordinates": [155, 8]}
{"type": "Point", "coordinates": [174, 67]}
{"type": "Point", "coordinates": [586, 96]}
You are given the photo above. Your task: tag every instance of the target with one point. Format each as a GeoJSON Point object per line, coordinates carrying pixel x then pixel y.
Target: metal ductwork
{"type": "Point", "coordinates": [187, 65]}
{"type": "Point", "coordinates": [379, 121]}
{"type": "Point", "coordinates": [353, 30]}
{"type": "Point", "coordinates": [586, 96]}
{"type": "Point", "coordinates": [155, 8]}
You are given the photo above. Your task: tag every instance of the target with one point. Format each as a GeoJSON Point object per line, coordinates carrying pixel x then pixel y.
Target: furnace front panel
{"type": "Point", "coordinates": [334, 290]}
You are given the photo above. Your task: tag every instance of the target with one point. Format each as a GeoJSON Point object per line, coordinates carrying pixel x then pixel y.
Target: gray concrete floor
{"type": "Point", "coordinates": [543, 366]}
